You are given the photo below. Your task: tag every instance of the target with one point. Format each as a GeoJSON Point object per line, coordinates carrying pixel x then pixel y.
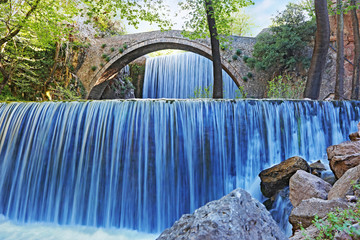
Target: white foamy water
{"type": "Point", "coordinates": [10, 230]}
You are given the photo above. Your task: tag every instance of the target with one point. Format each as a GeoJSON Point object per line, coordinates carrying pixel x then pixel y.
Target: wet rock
{"type": "Point", "coordinates": [277, 177]}
{"type": "Point", "coordinates": [304, 185]}
{"type": "Point", "coordinates": [343, 156]}
{"type": "Point", "coordinates": [307, 209]}
{"type": "Point", "coordinates": [318, 165]}
{"type": "Point", "coordinates": [235, 216]}
{"type": "Point", "coordinates": [344, 186]}
{"type": "Point", "coordinates": [328, 176]}
{"type": "Point", "coordinates": [356, 135]}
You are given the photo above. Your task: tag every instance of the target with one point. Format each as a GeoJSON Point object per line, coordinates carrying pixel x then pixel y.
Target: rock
{"type": "Point", "coordinates": [304, 185]}
{"type": "Point", "coordinates": [343, 156]}
{"type": "Point", "coordinates": [344, 186]}
{"type": "Point", "coordinates": [277, 177]}
{"type": "Point", "coordinates": [328, 176]}
{"type": "Point", "coordinates": [307, 209]}
{"type": "Point", "coordinates": [318, 165]}
{"type": "Point", "coordinates": [356, 135]}
{"type": "Point", "coordinates": [311, 233]}
{"type": "Point", "coordinates": [235, 216]}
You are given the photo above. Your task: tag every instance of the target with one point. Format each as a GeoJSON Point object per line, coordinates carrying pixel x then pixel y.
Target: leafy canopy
{"type": "Point", "coordinates": [196, 25]}
{"type": "Point", "coordinates": [282, 48]}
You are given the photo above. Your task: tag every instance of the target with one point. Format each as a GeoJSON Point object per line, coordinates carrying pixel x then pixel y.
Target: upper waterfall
{"type": "Point", "coordinates": [180, 75]}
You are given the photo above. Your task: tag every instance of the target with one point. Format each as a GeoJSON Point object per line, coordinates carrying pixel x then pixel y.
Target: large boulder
{"type": "Point", "coordinates": [304, 185]}
{"type": "Point", "coordinates": [235, 216]}
{"type": "Point", "coordinates": [307, 209]}
{"type": "Point", "coordinates": [277, 177]}
{"type": "Point", "coordinates": [343, 156]}
{"type": "Point", "coordinates": [344, 186]}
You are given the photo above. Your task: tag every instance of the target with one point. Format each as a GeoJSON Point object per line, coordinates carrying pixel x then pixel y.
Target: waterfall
{"type": "Point", "coordinates": [141, 164]}
{"type": "Point", "coordinates": [180, 75]}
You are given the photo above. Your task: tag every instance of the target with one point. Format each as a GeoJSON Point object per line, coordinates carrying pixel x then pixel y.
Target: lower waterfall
{"type": "Point", "coordinates": [141, 164]}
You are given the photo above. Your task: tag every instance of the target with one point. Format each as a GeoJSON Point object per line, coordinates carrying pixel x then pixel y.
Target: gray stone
{"type": "Point", "coordinates": [343, 156]}
{"type": "Point", "coordinates": [307, 209]}
{"type": "Point", "coordinates": [344, 186]}
{"type": "Point", "coordinates": [237, 216]}
{"type": "Point", "coordinates": [318, 165]}
{"type": "Point", "coordinates": [277, 177]}
{"type": "Point", "coordinates": [304, 185]}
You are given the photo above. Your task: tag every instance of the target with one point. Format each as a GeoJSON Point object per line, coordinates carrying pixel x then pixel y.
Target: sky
{"type": "Point", "coordinates": [260, 13]}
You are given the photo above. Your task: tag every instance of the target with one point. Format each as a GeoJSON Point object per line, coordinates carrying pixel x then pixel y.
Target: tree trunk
{"type": "Point", "coordinates": [322, 40]}
{"type": "Point", "coordinates": [356, 69]}
{"type": "Point", "coordinates": [215, 49]}
{"type": "Point", "coordinates": [339, 84]}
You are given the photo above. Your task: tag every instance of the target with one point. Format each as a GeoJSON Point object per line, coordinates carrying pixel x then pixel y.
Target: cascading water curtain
{"type": "Point", "coordinates": [181, 75]}
{"type": "Point", "coordinates": [142, 164]}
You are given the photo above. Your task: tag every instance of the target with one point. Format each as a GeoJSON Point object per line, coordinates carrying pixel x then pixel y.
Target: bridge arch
{"type": "Point", "coordinates": [144, 43]}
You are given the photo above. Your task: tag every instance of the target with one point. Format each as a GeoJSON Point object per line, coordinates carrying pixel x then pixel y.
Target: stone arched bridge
{"type": "Point", "coordinates": [96, 71]}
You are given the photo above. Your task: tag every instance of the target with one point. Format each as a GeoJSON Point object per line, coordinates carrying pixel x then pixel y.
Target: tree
{"type": "Point", "coordinates": [282, 49]}
{"type": "Point", "coordinates": [211, 18]}
{"type": "Point", "coordinates": [33, 31]}
{"type": "Point", "coordinates": [240, 23]}
{"type": "Point", "coordinates": [356, 69]}
{"type": "Point", "coordinates": [322, 41]}
{"type": "Point", "coordinates": [339, 84]}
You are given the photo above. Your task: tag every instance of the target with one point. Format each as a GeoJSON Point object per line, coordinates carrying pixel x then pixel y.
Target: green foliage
{"type": "Point", "coordinates": [103, 45]}
{"type": "Point", "coordinates": [234, 57]}
{"type": "Point", "coordinates": [121, 50]}
{"type": "Point", "coordinates": [240, 23]}
{"type": "Point", "coordinates": [205, 92]}
{"type": "Point", "coordinates": [223, 46]}
{"type": "Point", "coordinates": [244, 78]}
{"type": "Point", "coordinates": [245, 58]}
{"type": "Point", "coordinates": [101, 64]}
{"type": "Point", "coordinates": [107, 59]}
{"type": "Point", "coordinates": [238, 52]}
{"type": "Point", "coordinates": [338, 221]}
{"type": "Point", "coordinates": [93, 68]}
{"type": "Point", "coordinates": [240, 93]}
{"type": "Point", "coordinates": [104, 55]}
{"type": "Point", "coordinates": [282, 49]}
{"type": "Point", "coordinates": [196, 25]}
{"type": "Point", "coordinates": [250, 75]}
{"type": "Point", "coordinates": [125, 46]}
{"type": "Point", "coordinates": [112, 49]}
{"type": "Point", "coordinates": [285, 87]}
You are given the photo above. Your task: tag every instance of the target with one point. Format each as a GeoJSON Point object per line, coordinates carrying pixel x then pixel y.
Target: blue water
{"type": "Point", "coordinates": [180, 75]}
{"type": "Point", "coordinates": [141, 164]}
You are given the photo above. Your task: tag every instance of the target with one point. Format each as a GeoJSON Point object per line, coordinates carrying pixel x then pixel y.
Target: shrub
{"type": "Point", "coordinates": [107, 59]}
{"type": "Point", "coordinates": [104, 56]}
{"type": "Point", "coordinates": [282, 49]}
{"type": "Point", "coordinates": [285, 87]}
{"type": "Point", "coordinates": [125, 46]}
{"type": "Point", "coordinates": [112, 49]}
{"type": "Point", "coordinates": [238, 52]}
{"type": "Point", "coordinates": [250, 75]}
{"type": "Point", "coordinates": [223, 47]}
{"type": "Point", "coordinates": [103, 45]}
{"type": "Point", "coordinates": [245, 58]}
{"type": "Point", "coordinates": [235, 57]}
{"type": "Point", "coordinates": [121, 50]}
{"type": "Point", "coordinates": [101, 64]}
{"type": "Point", "coordinates": [93, 68]}
{"type": "Point", "coordinates": [338, 221]}
{"type": "Point", "coordinates": [244, 78]}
